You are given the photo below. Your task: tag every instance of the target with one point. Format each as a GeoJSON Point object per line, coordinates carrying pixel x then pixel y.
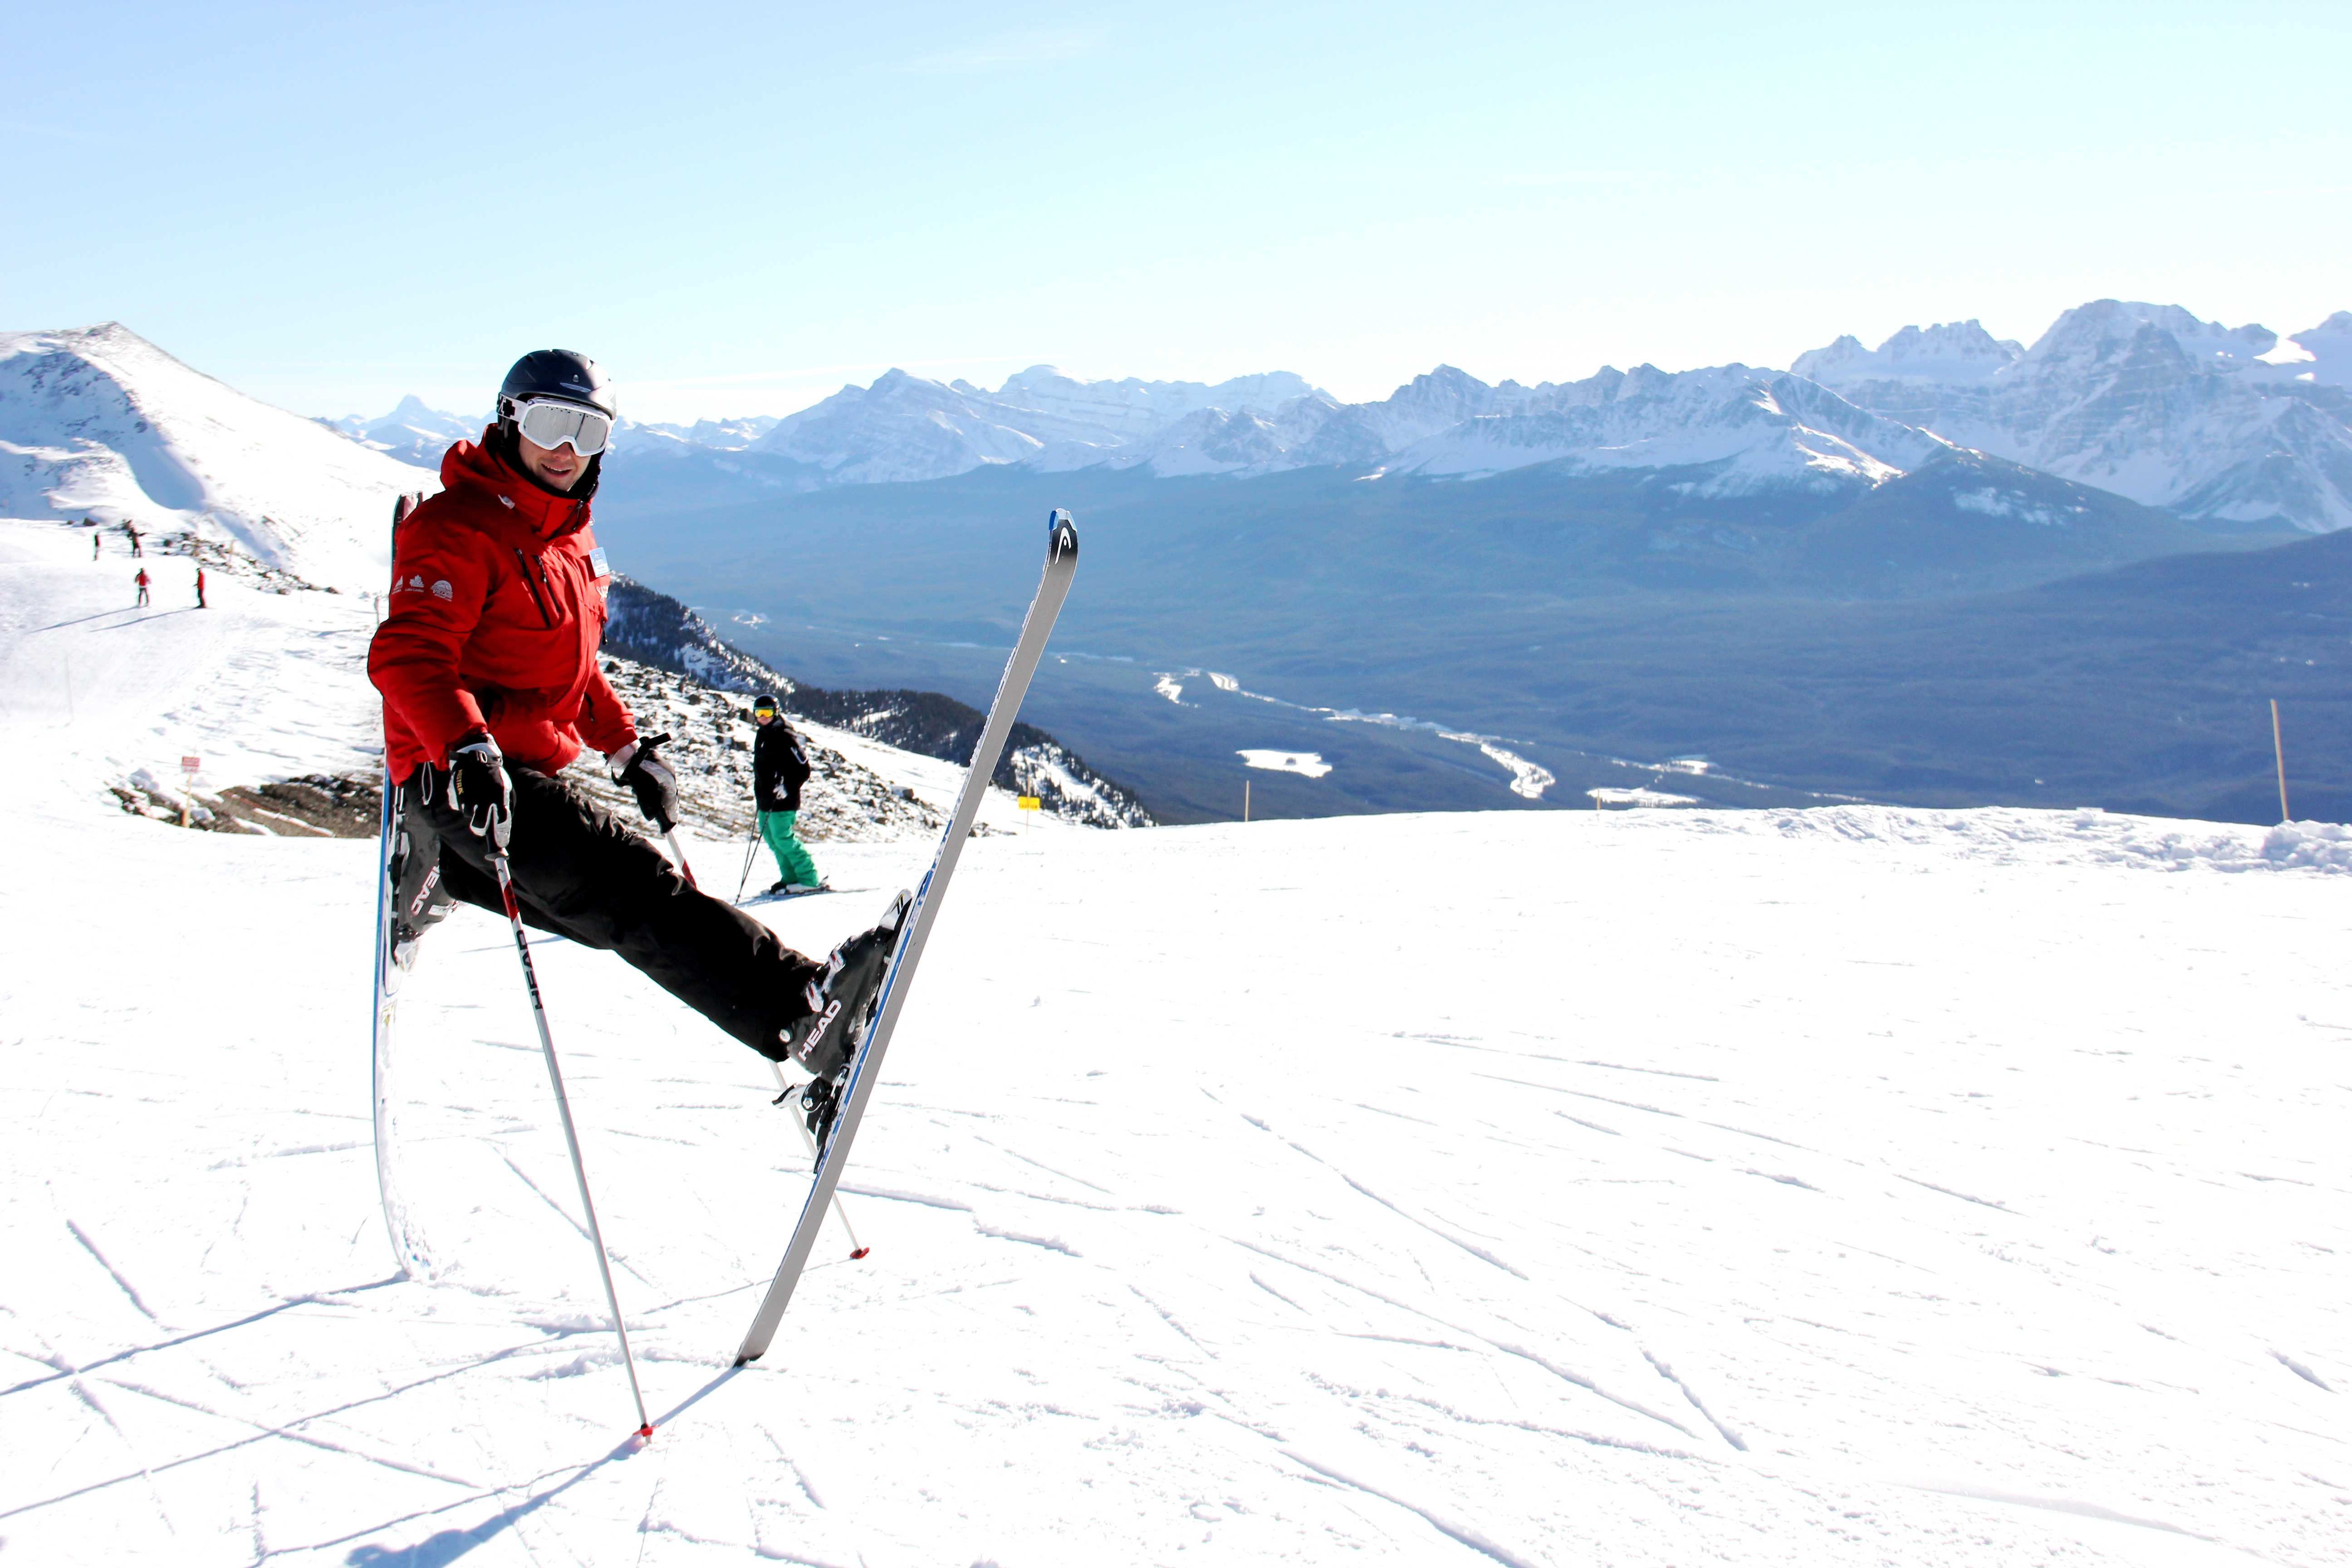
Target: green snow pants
{"type": "Point", "coordinates": [792, 856]}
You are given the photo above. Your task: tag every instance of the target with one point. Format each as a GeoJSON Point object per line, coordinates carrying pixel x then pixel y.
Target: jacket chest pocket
{"type": "Point", "coordinates": [553, 597]}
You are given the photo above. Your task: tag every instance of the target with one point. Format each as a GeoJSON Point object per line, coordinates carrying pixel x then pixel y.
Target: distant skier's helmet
{"type": "Point", "coordinates": [560, 395]}
{"type": "Point", "coordinates": [765, 705]}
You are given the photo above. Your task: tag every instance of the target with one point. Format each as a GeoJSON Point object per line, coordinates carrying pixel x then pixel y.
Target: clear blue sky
{"type": "Point", "coordinates": [739, 208]}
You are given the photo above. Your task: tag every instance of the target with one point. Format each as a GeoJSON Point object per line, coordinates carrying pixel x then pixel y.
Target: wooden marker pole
{"type": "Point", "coordinates": [2278, 750]}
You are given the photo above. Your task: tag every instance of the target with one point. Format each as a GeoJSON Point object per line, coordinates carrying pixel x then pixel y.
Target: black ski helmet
{"type": "Point", "coordinates": [767, 700]}
{"type": "Point", "coordinates": [565, 375]}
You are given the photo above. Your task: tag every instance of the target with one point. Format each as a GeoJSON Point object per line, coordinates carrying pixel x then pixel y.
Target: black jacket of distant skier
{"type": "Point", "coordinates": [779, 765]}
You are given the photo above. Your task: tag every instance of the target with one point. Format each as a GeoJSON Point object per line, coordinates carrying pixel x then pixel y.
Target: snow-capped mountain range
{"type": "Point", "coordinates": [2228, 427]}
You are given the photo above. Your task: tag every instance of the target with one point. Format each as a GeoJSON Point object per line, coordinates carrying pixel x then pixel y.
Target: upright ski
{"type": "Point", "coordinates": [409, 1248]}
{"type": "Point", "coordinates": [865, 1064]}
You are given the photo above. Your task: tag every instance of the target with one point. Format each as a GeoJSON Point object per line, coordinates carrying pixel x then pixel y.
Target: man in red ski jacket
{"type": "Point", "coordinates": [487, 661]}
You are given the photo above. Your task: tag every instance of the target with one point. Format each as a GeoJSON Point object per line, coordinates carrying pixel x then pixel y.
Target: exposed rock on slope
{"type": "Point", "coordinates": [658, 631]}
{"type": "Point", "coordinates": [710, 750]}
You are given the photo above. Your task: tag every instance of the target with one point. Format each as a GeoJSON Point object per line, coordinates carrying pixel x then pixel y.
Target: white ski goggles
{"type": "Point", "coordinates": [547, 422]}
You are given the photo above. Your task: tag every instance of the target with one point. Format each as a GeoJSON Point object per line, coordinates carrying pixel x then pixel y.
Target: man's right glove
{"type": "Point", "coordinates": [480, 788]}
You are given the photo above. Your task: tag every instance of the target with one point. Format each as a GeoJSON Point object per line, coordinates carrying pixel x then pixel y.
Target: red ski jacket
{"type": "Point", "coordinates": [497, 608]}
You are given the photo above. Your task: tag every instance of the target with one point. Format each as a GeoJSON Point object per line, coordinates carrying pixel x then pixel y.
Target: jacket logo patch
{"type": "Point", "coordinates": [414, 586]}
{"type": "Point", "coordinates": [442, 590]}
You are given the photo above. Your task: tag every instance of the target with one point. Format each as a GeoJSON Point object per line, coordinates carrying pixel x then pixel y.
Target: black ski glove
{"type": "Point", "coordinates": [480, 788]}
{"type": "Point", "coordinates": [656, 787]}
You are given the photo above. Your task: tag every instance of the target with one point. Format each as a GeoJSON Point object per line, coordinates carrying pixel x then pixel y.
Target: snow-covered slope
{"type": "Point", "coordinates": [2223, 426]}
{"type": "Point", "coordinates": [1839, 1188]}
{"type": "Point", "coordinates": [101, 423]}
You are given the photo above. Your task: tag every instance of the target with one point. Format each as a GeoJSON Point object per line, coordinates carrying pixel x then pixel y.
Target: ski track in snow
{"type": "Point", "coordinates": [1845, 1187]}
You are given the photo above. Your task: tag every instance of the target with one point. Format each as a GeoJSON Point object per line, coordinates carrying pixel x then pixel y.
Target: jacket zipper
{"type": "Point", "coordinates": [530, 588]}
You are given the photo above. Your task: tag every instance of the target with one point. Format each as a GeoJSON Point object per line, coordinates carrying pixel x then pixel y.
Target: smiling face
{"type": "Point", "coordinates": [558, 468]}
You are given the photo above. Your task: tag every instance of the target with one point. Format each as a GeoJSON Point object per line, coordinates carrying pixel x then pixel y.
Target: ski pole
{"type": "Point", "coordinates": [671, 833]}
{"type": "Point", "coordinates": [860, 1248]}
{"type": "Point", "coordinates": [570, 1134]}
{"type": "Point", "coordinates": [750, 847]}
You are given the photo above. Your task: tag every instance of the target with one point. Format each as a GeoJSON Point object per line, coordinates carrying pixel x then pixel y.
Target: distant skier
{"type": "Point", "coordinates": [779, 765]}
{"type": "Point", "coordinates": [487, 660]}
{"type": "Point", "coordinates": [142, 581]}
{"type": "Point", "coordinates": [132, 534]}
{"type": "Point", "coordinates": [200, 587]}
{"type": "Point", "coordinates": [97, 539]}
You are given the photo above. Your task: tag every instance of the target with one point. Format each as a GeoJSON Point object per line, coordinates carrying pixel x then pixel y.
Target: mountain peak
{"type": "Point", "coordinates": [1949, 352]}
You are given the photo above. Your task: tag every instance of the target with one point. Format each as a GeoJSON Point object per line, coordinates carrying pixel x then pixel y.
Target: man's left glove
{"type": "Point", "coordinates": [655, 786]}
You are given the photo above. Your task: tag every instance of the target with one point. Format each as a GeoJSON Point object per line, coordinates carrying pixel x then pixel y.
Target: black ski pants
{"type": "Point", "coordinates": [581, 874]}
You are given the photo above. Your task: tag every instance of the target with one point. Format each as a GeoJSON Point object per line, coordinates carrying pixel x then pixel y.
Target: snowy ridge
{"type": "Point", "coordinates": [101, 423]}
{"type": "Point", "coordinates": [1951, 354]}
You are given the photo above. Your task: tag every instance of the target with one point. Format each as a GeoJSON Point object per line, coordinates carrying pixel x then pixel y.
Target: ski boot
{"type": "Point", "coordinates": [840, 999]}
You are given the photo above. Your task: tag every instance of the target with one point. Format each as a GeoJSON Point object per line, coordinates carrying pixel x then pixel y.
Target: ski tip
{"type": "Point", "coordinates": [1062, 535]}
{"type": "Point", "coordinates": [859, 1253]}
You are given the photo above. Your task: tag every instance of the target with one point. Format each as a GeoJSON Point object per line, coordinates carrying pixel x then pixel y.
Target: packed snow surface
{"type": "Point", "coordinates": [1845, 1187]}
